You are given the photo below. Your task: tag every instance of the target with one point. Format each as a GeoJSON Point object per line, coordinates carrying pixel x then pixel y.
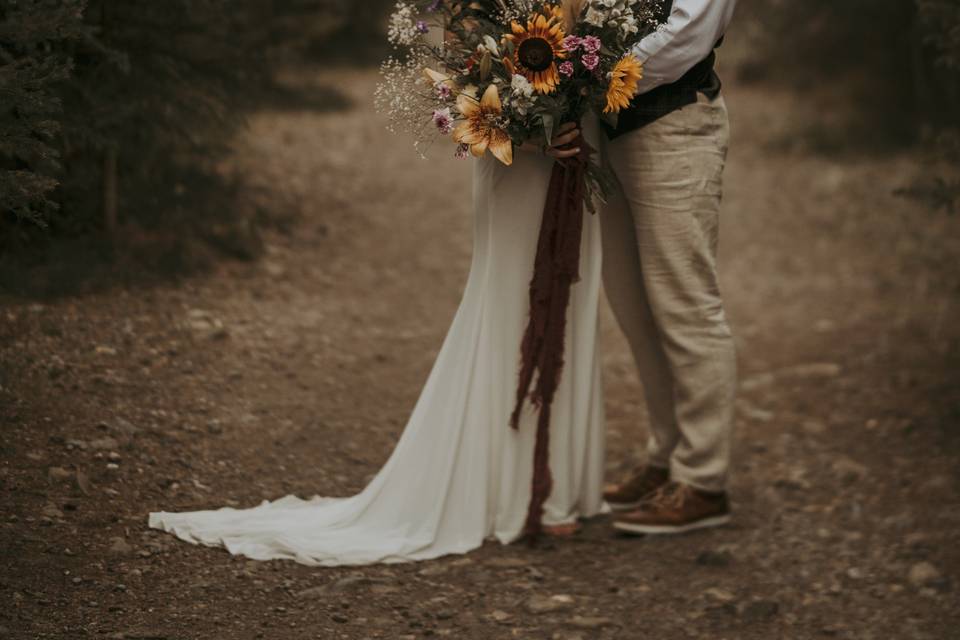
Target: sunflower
{"type": "Point", "coordinates": [624, 80]}
{"type": "Point", "coordinates": [537, 48]}
{"type": "Point", "coordinates": [480, 130]}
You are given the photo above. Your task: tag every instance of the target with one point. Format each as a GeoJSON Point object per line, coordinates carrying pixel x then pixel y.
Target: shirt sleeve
{"type": "Point", "coordinates": [689, 35]}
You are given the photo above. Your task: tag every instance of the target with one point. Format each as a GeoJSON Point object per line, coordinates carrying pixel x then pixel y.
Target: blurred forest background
{"type": "Point", "coordinates": [116, 114]}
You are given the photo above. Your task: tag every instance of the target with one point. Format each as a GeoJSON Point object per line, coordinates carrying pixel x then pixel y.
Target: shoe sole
{"type": "Point", "coordinates": [652, 529]}
{"type": "Point", "coordinates": [624, 506]}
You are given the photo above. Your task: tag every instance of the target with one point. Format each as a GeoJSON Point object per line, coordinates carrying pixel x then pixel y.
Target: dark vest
{"type": "Point", "coordinates": [667, 98]}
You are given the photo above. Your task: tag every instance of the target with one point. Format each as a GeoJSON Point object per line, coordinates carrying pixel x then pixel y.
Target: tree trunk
{"type": "Point", "coordinates": [110, 191]}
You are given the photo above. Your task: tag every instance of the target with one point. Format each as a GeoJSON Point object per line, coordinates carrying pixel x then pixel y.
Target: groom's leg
{"type": "Point", "coordinates": [623, 284]}
{"type": "Point", "coordinates": [671, 171]}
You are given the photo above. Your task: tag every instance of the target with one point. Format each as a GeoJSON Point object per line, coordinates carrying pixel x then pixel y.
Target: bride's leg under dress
{"type": "Point", "coordinates": [458, 474]}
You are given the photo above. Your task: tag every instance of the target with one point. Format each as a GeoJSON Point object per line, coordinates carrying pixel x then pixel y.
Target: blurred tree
{"type": "Point", "coordinates": [151, 104]}
{"type": "Point", "coordinates": [34, 62]}
{"type": "Point", "coordinates": [896, 60]}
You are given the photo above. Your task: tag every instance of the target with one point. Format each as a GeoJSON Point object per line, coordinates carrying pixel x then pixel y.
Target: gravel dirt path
{"type": "Point", "coordinates": [295, 374]}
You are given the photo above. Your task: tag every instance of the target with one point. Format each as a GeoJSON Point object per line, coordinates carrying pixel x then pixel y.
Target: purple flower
{"type": "Point", "coordinates": [566, 68]}
{"type": "Point", "coordinates": [444, 92]}
{"type": "Point", "coordinates": [444, 120]}
{"type": "Point", "coordinates": [571, 43]}
{"type": "Point", "coordinates": [422, 27]}
{"type": "Point", "coordinates": [590, 61]}
{"type": "Point", "coordinates": [462, 152]}
{"type": "Point", "coordinates": [591, 44]}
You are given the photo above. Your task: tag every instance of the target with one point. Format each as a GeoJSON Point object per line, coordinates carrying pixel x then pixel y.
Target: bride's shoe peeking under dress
{"type": "Point", "coordinates": [459, 474]}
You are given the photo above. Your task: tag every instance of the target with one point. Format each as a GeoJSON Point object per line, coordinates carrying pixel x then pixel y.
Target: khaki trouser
{"type": "Point", "coordinates": [660, 236]}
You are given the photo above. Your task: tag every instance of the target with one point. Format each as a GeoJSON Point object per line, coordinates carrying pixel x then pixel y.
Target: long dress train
{"type": "Point", "coordinates": [459, 474]}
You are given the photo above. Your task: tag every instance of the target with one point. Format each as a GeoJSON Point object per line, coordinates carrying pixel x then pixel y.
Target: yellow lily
{"type": "Point", "coordinates": [479, 130]}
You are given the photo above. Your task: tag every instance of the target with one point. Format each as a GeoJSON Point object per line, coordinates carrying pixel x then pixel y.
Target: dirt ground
{"type": "Point", "coordinates": [295, 374]}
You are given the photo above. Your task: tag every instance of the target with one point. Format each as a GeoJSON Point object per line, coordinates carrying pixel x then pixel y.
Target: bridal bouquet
{"type": "Point", "coordinates": [498, 74]}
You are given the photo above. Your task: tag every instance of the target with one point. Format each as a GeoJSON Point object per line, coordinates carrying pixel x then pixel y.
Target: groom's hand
{"type": "Point", "coordinates": [567, 133]}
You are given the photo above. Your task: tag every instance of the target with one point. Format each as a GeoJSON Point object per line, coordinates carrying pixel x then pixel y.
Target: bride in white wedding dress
{"type": "Point", "coordinates": [459, 474]}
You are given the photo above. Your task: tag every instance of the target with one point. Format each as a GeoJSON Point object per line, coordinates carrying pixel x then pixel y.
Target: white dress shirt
{"type": "Point", "coordinates": [688, 37]}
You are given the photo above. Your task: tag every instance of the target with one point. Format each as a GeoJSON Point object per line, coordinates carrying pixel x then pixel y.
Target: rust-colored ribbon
{"type": "Point", "coordinates": [556, 268]}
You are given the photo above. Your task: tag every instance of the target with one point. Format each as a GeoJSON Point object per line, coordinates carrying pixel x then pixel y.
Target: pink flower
{"type": "Point", "coordinates": [571, 43]}
{"type": "Point", "coordinates": [444, 92]}
{"type": "Point", "coordinates": [590, 61]}
{"type": "Point", "coordinates": [591, 44]}
{"type": "Point", "coordinates": [566, 68]}
{"type": "Point", "coordinates": [444, 120]}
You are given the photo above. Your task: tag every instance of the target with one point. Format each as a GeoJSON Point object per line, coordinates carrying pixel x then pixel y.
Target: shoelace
{"type": "Point", "coordinates": [670, 496]}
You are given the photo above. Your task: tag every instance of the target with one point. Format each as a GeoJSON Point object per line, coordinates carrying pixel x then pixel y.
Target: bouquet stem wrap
{"type": "Point", "coordinates": [556, 268]}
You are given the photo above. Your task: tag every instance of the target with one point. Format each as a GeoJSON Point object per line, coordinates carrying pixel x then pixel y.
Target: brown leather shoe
{"type": "Point", "coordinates": [676, 508]}
{"type": "Point", "coordinates": [628, 495]}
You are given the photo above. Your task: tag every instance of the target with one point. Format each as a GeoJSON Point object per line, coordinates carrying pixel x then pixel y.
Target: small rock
{"type": "Point", "coordinates": [500, 617]}
{"type": "Point", "coordinates": [339, 618]}
{"type": "Point", "coordinates": [52, 511]}
{"type": "Point", "coordinates": [567, 635]}
{"type": "Point", "coordinates": [119, 546]}
{"type": "Point", "coordinates": [312, 592]}
{"type": "Point", "coordinates": [761, 610]}
{"type": "Point", "coordinates": [445, 614]}
{"type": "Point", "coordinates": [103, 444]}
{"type": "Point", "coordinates": [59, 474]}
{"type": "Point", "coordinates": [435, 570]}
{"type": "Point", "coordinates": [719, 595]}
{"type": "Point", "coordinates": [924, 574]}
{"type": "Point", "coordinates": [83, 482]}
{"type": "Point", "coordinates": [855, 573]}
{"type": "Point", "coordinates": [124, 427]}
{"type": "Point", "coordinates": [547, 604]}
{"type": "Point", "coordinates": [204, 325]}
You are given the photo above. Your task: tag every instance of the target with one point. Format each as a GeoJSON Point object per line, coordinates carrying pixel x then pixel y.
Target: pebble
{"type": "Point", "coordinates": [500, 617]}
{"type": "Point", "coordinates": [719, 595]}
{"type": "Point", "coordinates": [52, 511]}
{"type": "Point", "coordinates": [924, 574]}
{"type": "Point", "coordinates": [119, 546]}
{"type": "Point", "coordinates": [103, 444]}
{"type": "Point", "coordinates": [204, 325]}
{"type": "Point", "coordinates": [59, 474]}
{"type": "Point", "coordinates": [547, 604]}
{"type": "Point", "coordinates": [435, 570]}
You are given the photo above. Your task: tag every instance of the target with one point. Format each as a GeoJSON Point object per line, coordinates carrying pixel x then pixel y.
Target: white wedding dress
{"type": "Point", "coordinates": [459, 474]}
